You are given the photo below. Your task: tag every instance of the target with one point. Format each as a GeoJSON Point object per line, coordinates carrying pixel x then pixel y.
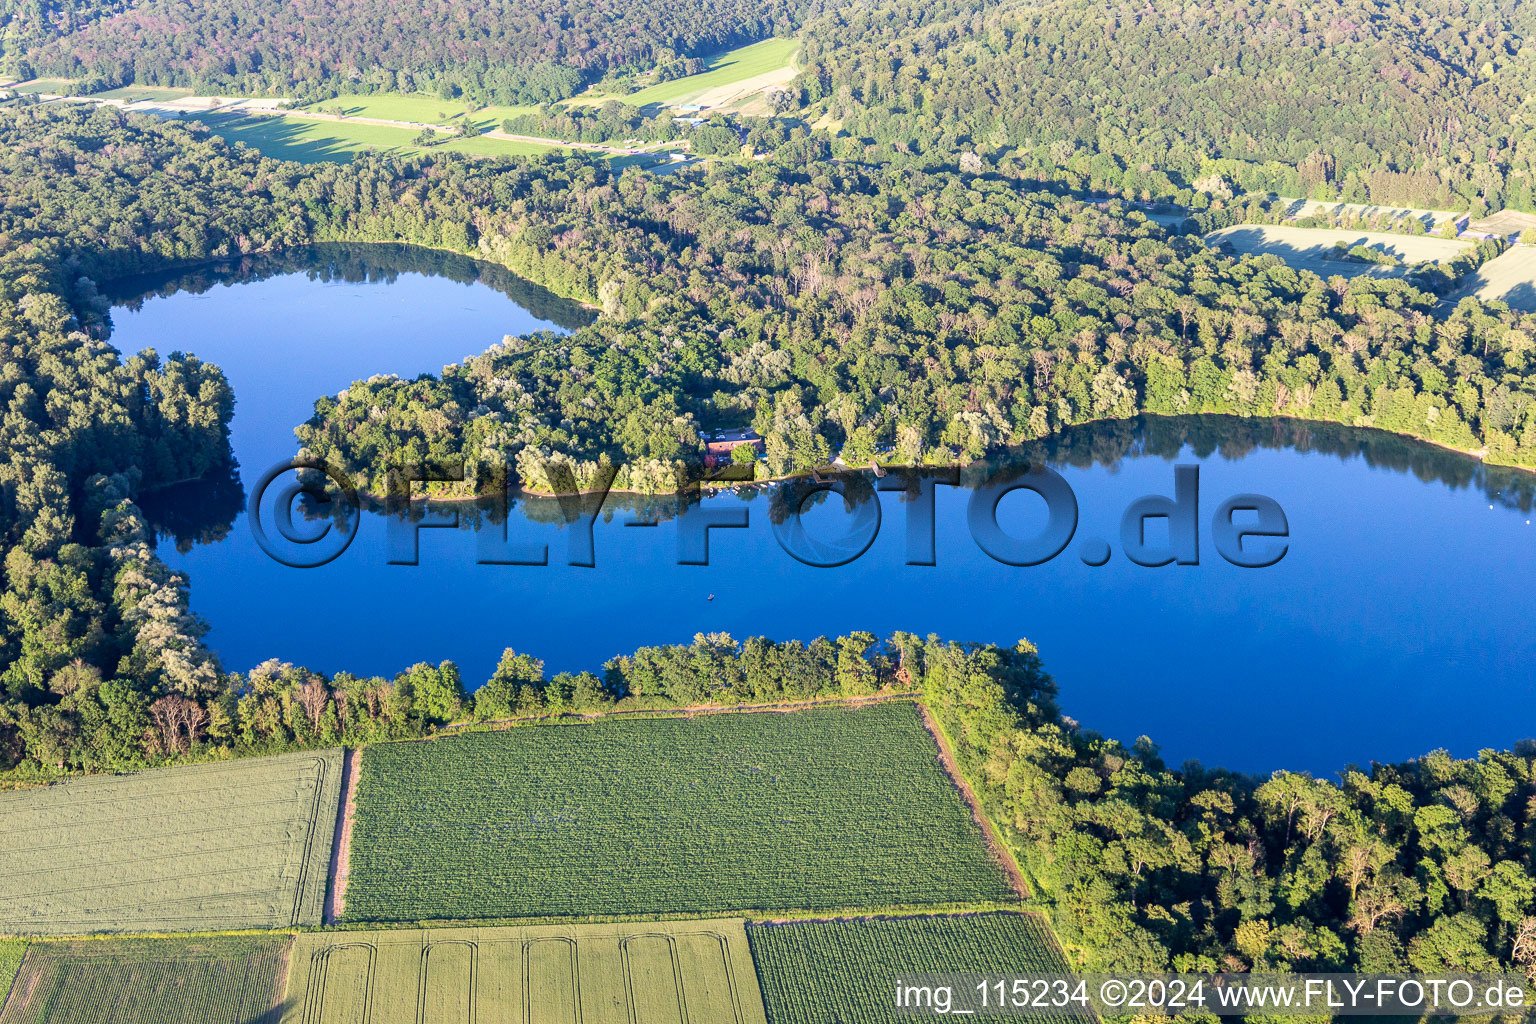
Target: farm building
{"type": "Point", "coordinates": [718, 447]}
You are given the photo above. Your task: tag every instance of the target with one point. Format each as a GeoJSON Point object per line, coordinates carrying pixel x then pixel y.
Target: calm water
{"type": "Point", "coordinates": [1392, 626]}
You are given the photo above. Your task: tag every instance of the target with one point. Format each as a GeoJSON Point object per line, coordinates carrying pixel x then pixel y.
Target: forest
{"type": "Point", "coordinates": [488, 51]}
{"type": "Point", "coordinates": [1417, 103]}
{"type": "Point", "coordinates": [1418, 867]}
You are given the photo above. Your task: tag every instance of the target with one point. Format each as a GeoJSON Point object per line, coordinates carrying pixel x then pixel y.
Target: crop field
{"type": "Point", "coordinates": [690, 972]}
{"type": "Point", "coordinates": [819, 809]}
{"type": "Point", "coordinates": [244, 844]}
{"type": "Point", "coordinates": [226, 980]}
{"type": "Point", "coordinates": [730, 68]}
{"type": "Point", "coordinates": [830, 972]}
{"type": "Point", "coordinates": [1510, 277]}
{"type": "Point", "coordinates": [1310, 248]}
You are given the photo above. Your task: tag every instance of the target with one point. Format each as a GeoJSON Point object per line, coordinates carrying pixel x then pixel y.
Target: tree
{"type": "Point", "coordinates": [855, 675]}
{"type": "Point", "coordinates": [437, 693]}
{"type": "Point", "coordinates": [506, 693]}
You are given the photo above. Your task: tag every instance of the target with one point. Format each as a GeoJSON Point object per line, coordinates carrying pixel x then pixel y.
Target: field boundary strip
{"type": "Point", "coordinates": [687, 711]}
{"type": "Point", "coordinates": [341, 838]}
{"type": "Point", "coordinates": [989, 829]}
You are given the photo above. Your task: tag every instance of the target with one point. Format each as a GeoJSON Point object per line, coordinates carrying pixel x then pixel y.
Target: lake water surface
{"type": "Point", "coordinates": [1393, 625]}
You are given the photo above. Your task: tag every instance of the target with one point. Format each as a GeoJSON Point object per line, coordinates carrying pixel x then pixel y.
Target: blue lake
{"type": "Point", "coordinates": [1388, 629]}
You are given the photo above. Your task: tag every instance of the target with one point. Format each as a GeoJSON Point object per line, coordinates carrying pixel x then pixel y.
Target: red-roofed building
{"type": "Point", "coordinates": [719, 447]}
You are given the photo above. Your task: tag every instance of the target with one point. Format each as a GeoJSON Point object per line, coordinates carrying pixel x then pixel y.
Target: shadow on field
{"type": "Point", "coordinates": [1258, 240]}
{"type": "Point", "coordinates": [278, 137]}
{"type": "Point", "coordinates": [1522, 296]}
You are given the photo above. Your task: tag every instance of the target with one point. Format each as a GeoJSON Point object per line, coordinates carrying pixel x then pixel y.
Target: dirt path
{"type": "Point", "coordinates": [341, 845]}
{"type": "Point", "coordinates": [994, 841]}
{"type": "Point", "coordinates": [21, 997]}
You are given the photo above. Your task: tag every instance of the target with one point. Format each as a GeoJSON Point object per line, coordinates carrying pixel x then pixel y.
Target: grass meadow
{"type": "Point", "coordinates": [137, 93]}
{"type": "Point", "coordinates": [726, 68]}
{"type": "Point", "coordinates": [421, 108]}
{"type": "Point", "coordinates": [827, 972]}
{"type": "Point", "coordinates": [224, 980]}
{"type": "Point", "coordinates": [243, 844]}
{"type": "Point", "coordinates": [816, 809]}
{"type": "Point", "coordinates": [52, 86]}
{"type": "Point", "coordinates": [480, 145]}
{"type": "Point", "coordinates": [659, 973]}
{"type": "Point", "coordinates": [308, 142]}
{"type": "Point", "coordinates": [311, 141]}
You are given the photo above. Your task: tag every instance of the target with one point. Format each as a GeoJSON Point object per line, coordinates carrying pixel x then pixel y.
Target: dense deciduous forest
{"type": "Point", "coordinates": [1421, 103]}
{"type": "Point", "coordinates": [489, 51]}
{"type": "Point", "coordinates": [1419, 867]}
{"type": "Point", "coordinates": [1418, 103]}
{"type": "Point", "coordinates": [937, 313]}
{"type": "Point", "coordinates": [26, 25]}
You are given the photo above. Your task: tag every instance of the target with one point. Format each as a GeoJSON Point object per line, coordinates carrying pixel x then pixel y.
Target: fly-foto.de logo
{"type": "Point", "coordinates": [305, 514]}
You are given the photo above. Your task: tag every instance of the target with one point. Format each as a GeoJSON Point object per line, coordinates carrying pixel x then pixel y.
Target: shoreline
{"type": "Point", "coordinates": [526, 494]}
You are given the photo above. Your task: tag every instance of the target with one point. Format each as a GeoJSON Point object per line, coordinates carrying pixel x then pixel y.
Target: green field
{"type": "Point", "coordinates": [244, 844]}
{"type": "Point", "coordinates": [724, 69]}
{"type": "Point", "coordinates": [832, 972]}
{"type": "Point", "coordinates": [483, 146]}
{"type": "Point", "coordinates": [817, 809]}
{"type": "Point", "coordinates": [227, 980]}
{"type": "Point", "coordinates": [292, 138]}
{"type": "Point", "coordinates": [394, 106]}
{"type": "Point", "coordinates": [307, 141]}
{"type": "Point", "coordinates": [48, 85]}
{"type": "Point", "coordinates": [663, 973]}
{"type": "Point", "coordinates": [418, 107]}
{"type": "Point", "coordinates": [134, 93]}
